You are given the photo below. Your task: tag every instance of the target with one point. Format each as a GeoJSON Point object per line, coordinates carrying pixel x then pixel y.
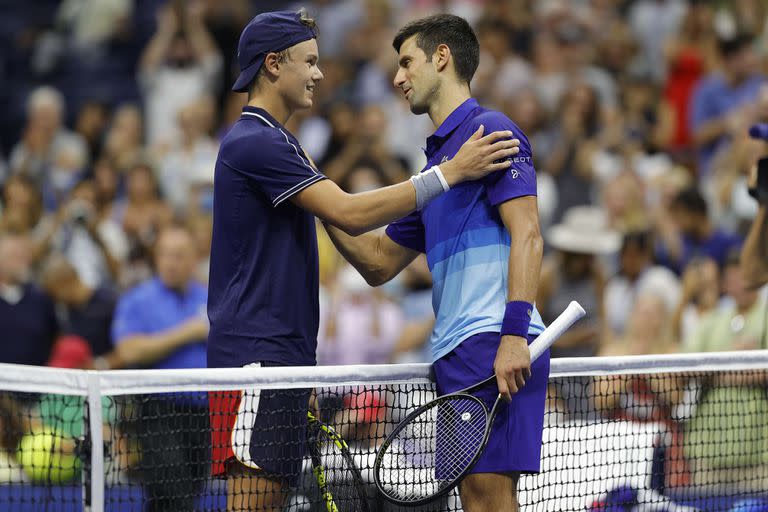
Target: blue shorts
{"type": "Point", "coordinates": [514, 444]}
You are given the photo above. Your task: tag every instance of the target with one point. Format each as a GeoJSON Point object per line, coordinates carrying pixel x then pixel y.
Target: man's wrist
{"type": "Point", "coordinates": [450, 173]}
{"type": "Point", "coordinates": [514, 338]}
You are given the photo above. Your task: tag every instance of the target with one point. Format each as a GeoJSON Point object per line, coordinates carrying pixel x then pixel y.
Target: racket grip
{"type": "Point", "coordinates": [559, 325]}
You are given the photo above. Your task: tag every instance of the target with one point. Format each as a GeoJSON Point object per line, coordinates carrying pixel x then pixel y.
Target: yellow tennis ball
{"type": "Point", "coordinates": [41, 458]}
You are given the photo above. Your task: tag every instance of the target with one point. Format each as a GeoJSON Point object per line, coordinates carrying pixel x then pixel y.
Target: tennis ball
{"type": "Point", "coordinates": [40, 456]}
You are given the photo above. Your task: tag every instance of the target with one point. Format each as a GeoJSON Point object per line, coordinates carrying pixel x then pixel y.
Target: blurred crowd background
{"type": "Point", "coordinates": [637, 112]}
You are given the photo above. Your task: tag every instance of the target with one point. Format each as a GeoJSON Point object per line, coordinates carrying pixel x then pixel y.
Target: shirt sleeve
{"type": "Point", "coordinates": [519, 179]}
{"type": "Point", "coordinates": [408, 232]}
{"type": "Point", "coordinates": [702, 108]}
{"type": "Point", "coordinates": [275, 163]}
{"type": "Point", "coordinates": [127, 320]}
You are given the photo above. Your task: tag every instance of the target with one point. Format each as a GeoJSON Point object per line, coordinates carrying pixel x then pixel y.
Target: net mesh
{"type": "Point", "coordinates": [618, 439]}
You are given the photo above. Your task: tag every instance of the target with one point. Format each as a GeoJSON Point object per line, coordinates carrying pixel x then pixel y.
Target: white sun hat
{"type": "Point", "coordinates": [584, 230]}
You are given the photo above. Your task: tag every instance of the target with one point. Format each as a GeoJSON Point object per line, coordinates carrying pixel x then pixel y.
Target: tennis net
{"type": "Point", "coordinates": [672, 432]}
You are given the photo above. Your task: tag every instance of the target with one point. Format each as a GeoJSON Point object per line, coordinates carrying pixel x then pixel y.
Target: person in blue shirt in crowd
{"type": "Point", "coordinates": [724, 102]}
{"type": "Point", "coordinates": [263, 287]}
{"type": "Point", "coordinates": [484, 250]}
{"type": "Point", "coordinates": [694, 235]}
{"type": "Point", "coordinates": [161, 324]}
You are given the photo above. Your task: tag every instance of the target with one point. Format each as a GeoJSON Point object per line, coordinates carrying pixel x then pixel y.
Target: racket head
{"type": "Point", "coordinates": [335, 469]}
{"type": "Point", "coordinates": [432, 449]}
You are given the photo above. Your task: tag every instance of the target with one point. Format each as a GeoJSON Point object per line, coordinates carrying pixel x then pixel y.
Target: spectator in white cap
{"type": "Point", "coordinates": [573, 273]}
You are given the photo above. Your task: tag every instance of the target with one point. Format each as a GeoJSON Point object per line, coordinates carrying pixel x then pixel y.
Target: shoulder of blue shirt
{"type": "Point", "coordinates": [493, 120]}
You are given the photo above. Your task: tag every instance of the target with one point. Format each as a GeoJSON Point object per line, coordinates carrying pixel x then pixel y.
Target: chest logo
{"type": "Point", "coordinates": [514, 173]}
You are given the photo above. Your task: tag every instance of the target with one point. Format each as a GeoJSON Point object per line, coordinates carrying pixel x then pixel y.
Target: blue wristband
{"type": "Point", "coordinates": [517, 318]}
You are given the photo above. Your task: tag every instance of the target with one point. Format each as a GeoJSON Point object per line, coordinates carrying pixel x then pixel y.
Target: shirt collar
{"type": "Point", "coordinates": [455, 118]}
{"type": "Point", "coordinates": [262, 115]}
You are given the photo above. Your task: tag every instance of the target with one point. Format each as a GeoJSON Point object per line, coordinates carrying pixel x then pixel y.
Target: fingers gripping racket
{"type": "Point", "coordinates": [435, 446]}
{"type": "Point", "coordinates": [337, 475]}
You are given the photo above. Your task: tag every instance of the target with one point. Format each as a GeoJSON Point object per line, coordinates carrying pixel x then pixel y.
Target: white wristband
{"type": "Point", "coordinates": [442, 179]}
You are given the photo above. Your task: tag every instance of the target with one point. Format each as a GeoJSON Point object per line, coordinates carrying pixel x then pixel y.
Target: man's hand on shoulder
{"type": "Point", "coordinates": [480, 155]}
{"type": "Point", "coordinates": [512, 365]}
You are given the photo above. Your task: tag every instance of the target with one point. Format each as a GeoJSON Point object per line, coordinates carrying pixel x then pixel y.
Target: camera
{"type": "Point", "coordinates": [760, 190]}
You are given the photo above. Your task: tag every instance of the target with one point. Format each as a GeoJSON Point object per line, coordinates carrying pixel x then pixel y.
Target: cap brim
{"type": "Point", "coordinates": [247, 75]}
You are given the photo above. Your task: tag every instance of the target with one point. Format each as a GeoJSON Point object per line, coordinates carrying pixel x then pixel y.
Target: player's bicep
{"type": "Point", "coordinates": [520, 216]}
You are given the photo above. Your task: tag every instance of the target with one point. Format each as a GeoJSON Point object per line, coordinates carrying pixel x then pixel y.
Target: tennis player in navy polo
{"type": "Point", "coordinates": [484, 261]}
{"type": "Point", "coordinates": [263, 289]}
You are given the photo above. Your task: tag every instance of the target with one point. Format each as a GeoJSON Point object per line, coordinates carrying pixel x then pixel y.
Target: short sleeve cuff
{"type": "Point", "coordinates": [400, 237]}
{"type": "Point", "coordinates": [297, 188]}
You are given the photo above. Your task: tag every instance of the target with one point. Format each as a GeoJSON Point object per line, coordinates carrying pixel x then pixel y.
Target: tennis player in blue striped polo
{"type": "Point", "coordinates": [484, 250]}
{"type": "Point", "coordinates": [263, 289]}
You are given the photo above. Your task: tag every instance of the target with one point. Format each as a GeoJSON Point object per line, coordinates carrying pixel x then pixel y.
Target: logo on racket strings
{"type": "Point", "coordinates": [466, 416]}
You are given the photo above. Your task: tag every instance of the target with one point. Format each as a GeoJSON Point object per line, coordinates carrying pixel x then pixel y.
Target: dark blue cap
{"type": "Point", "coordinates": [267, 32]}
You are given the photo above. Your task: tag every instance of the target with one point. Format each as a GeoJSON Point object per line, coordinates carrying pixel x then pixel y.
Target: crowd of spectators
{"type": "Point", "coordinates": [637, 112]}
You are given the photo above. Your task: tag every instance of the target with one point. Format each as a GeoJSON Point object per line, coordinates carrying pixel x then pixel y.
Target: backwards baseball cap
{"type": "Point", "coordinates": [267, 32]}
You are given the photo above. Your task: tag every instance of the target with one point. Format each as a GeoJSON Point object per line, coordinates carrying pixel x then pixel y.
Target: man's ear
{"type": "Point", "coordinates": [441, 57]}
{"type": "Point", "coordinates": [272, 64]}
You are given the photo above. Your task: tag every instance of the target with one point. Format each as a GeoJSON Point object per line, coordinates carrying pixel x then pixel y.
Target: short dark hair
{"type": "Point", "coordinates": [285, 55]}
{"type": "Point", "coordinates": [691, 200]}
{"type": "Point", "coordinates": [447, 29]}
{"type": "Point", "coordinates": [732, 45]}
{"type": "Point", "coordinates": [640, 239]}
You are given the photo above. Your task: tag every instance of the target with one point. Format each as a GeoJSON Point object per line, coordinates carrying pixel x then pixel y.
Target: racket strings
{"type": "Point", "coordinates": [433, 449]}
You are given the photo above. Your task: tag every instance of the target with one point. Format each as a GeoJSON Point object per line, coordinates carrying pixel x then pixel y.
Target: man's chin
{"type": "Point", "coordinates": [418, 109]}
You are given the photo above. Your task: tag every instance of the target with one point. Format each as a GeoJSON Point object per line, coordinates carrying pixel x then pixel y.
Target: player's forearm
{"type": "Point", "coordinates": [365, 211]}
{"type": "Point", "coordinates": [363, 252]}
{"type": "Point", "coordinates": [754, 254]}
{"type": "Point", "coordinates": [525, 265]}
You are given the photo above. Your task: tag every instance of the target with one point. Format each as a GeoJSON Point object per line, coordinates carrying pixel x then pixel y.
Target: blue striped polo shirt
{"type": "Point", "coordinates": [463, 236]}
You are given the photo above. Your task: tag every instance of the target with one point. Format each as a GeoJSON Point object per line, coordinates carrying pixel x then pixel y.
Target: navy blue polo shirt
{"type": "Point", "coordinates": [264, 278]}
{"type": "Point", "coordinates": [463, 236]}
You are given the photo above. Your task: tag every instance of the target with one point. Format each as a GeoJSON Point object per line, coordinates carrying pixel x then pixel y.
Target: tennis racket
{"type": "Point", "coordinates": [339, 480]}
{"type": "Point", "coordinates": [435, 446]}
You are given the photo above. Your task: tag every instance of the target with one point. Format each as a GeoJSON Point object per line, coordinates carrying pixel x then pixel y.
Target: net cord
{"type": "Point", "coordinates": [130, 382]}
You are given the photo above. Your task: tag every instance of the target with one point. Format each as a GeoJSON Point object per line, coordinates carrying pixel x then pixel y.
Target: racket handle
{"type": "Point", "coordinates": [559, 325]}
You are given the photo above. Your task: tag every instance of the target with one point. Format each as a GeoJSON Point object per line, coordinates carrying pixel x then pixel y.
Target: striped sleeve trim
{"type": "Point", "coordinates": [297, 188]}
